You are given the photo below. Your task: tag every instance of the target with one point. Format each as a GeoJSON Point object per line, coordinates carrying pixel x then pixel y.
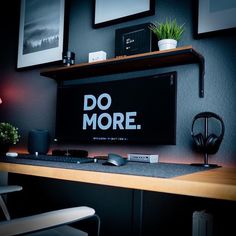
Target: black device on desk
{"type": "Point", "coordinates": [65, 159]}
{"type": "Point", "coordinates": [70, 152]}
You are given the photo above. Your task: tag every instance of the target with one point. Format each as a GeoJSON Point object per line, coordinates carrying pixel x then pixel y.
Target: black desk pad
{"type": "Point", "coordinates": [160, 170]}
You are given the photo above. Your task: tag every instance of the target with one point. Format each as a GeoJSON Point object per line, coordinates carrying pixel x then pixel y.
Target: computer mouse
{"type": "Point", "coordinates": [115, 160]}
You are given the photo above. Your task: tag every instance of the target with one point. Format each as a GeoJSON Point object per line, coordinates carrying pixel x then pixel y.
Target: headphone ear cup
{"type": "Point", "coordinates": [199, 142]}
{"type": "Point", "coordinates": [212, 144]}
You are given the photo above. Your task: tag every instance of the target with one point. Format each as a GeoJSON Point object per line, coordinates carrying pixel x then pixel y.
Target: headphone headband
{"type": "Point", "coordinates": [209, 115]}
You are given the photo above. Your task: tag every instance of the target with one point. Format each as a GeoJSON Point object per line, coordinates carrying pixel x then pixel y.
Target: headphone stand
{"type": "Point", "coordinates": [205, 164]}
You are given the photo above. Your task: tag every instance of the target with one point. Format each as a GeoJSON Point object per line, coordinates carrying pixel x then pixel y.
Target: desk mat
{"type": "Point", "coordinates": [160, 170]}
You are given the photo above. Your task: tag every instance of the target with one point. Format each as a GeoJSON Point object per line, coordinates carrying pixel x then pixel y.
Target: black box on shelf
{"type": "Point", "coordinates": [135, 40]}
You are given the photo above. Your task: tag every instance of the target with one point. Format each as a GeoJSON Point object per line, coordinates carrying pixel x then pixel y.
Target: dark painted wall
{"type": "Point", "coordinates": [29, 102]}
{"type": "Point", "coordinates": [29, 99]}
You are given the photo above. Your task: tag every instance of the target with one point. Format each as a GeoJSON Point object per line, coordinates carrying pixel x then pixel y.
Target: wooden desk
{"type": "Point", "coordinates": [219, 183]}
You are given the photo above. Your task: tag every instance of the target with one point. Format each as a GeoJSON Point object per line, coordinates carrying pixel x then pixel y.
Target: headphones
{"type": "Point", "coordinates": [211, 143]}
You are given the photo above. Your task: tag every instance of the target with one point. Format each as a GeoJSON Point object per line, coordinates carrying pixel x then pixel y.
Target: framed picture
{"type": "Point", "coordinates": [41, 32]}
{"type": "Point", "coordinates": [215, 15]}
{"type": "Point", "coordinates": [108, 12]}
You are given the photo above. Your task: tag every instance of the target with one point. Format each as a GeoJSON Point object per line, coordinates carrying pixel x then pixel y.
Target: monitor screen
{"type": "Point", "coordinates": [138, 110]}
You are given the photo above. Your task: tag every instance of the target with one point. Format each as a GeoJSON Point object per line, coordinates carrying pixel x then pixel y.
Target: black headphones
{"type": "Point", "coordinates": [211, 143]}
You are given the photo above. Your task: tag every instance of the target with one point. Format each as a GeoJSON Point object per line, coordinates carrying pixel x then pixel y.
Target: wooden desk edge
{"type": "Point", "coordinates": [201, 184]}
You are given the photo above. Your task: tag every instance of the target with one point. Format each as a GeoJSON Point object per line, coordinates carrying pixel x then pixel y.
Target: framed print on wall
{"type": "Point", "coordinates": [41, 32]}
{"type": "Point", "coordinates": [216, 15]}
{"type": "Point", "coordinates": [108, 12]}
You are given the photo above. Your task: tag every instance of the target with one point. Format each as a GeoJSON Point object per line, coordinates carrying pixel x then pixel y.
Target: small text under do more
{"type": "Point", "coordinates": [104, 120]}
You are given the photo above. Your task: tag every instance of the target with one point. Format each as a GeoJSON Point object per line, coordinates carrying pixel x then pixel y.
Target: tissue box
{"type": "Point", "coordinates": [97, 56]}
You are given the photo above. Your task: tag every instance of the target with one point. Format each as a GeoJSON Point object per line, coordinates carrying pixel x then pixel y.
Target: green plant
{"type": "Point", "coordinates": [167, 30]}
{"type": "Point", "coordinates": [8, 134]}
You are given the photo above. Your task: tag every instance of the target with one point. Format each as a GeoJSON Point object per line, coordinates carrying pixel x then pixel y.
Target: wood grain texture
{"type": "Point", "coordinates": [149, 60]}
{"type": "Point", "coordinates": [219, 183]}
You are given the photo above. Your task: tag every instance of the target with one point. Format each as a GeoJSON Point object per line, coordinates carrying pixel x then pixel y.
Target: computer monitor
{"type": "Point", "coordinates": [139, 110]}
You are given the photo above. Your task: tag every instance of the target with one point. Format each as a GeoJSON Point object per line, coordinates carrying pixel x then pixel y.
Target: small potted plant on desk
{"type": "Point", "coordinates": [8, 136]}
{"type": "Point", "coordinates": [168, 33]}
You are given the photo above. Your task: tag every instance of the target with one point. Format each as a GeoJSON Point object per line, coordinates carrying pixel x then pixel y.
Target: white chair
{"type": "Point", "coordinates": [44, 224]}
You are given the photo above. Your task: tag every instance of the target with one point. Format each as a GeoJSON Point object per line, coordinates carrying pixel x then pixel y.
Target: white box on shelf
{"type": "Point", "coordinates": [97, 56]}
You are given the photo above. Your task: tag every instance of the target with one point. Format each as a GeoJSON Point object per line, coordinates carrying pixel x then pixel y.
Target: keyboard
{"type": "Point", "coordinates": [65, 159]}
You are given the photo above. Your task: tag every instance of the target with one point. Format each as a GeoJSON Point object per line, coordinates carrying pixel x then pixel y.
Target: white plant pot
{"type": "Point", "coordinates": [166, 44]}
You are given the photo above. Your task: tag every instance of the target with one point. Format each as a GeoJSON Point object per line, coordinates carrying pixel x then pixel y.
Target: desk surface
{"type": "Point", "coordinates": [219, 183]}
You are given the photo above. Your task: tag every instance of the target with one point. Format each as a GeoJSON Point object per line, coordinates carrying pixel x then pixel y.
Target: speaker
{"type": "Point", "coordinates": [38, 141]}
{"type": "Point", "coordinates": [205, 143]}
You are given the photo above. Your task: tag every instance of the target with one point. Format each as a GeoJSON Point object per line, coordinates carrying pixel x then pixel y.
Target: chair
{"type": "Point", "coordinates": [44, 224]}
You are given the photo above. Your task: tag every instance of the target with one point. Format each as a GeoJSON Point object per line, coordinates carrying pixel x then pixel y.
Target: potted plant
{"type": "Point", "coordinates": [168, 33]}
{"type": "Point", "coordinates": [8, 136]}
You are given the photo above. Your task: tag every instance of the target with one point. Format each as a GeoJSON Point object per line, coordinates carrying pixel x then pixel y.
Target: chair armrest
{"type": "Point", "coordinates": [4, 190]}
{"type": "Point", "coordinates": [45, 220]}
{"type": "Point", "coordinates": [9, 189]}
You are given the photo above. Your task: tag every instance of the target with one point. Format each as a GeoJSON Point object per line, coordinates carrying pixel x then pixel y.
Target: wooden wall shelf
{"type": "Point", "coordinates": [150, 60]}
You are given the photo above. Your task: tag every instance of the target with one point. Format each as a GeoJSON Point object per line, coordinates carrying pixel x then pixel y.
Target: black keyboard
{"type": "Point", "coordinates": [66, 159]}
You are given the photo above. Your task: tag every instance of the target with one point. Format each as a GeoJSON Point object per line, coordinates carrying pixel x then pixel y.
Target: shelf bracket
{"type": "Point", "coordinates": [201, 63]}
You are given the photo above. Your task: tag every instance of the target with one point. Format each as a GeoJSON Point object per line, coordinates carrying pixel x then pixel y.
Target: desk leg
{"type": "Point", "coordinates": [137, 212]}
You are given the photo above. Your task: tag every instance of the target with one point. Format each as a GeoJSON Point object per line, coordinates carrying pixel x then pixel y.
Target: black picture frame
{"type": "Point", "coordinates": [37, 44]}
{"type": "Point", "coordinates": [215, 16]}
{"type": "Point", "coordinates": [114, 12]}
